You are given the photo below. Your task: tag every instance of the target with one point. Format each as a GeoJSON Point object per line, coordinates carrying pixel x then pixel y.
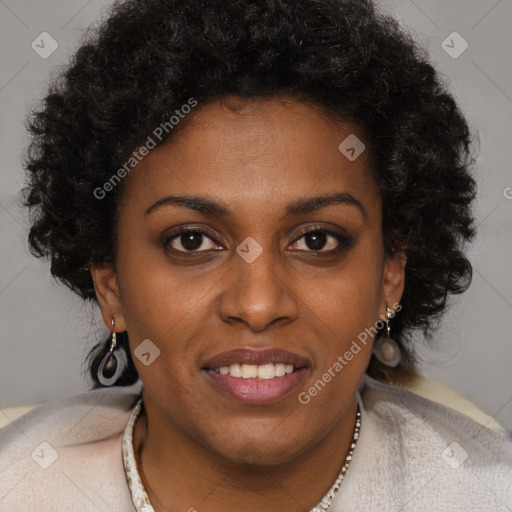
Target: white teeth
{"type": "Point", "coordinates": [235, 370]}
{"type": "Point", "coordinates": [252, 371]}
{"type": "Point", "coordinates": [266, 371]}
{"type": "Point", "coordinates": [249, 371]}
{"type": "Point", "coordinates": [280, 369]}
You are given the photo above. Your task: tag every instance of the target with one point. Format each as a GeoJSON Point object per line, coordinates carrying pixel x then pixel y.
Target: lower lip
{"type": "Point", "coordinates": [252, 391]}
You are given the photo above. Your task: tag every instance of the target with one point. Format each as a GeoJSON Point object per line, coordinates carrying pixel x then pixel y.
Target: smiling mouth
{"type": "Point", "coordinates": [256, 376]}
{"type": "Point", "coordinates": [267, 371]}
{"type": "Point", "coordinates": [256, 390]}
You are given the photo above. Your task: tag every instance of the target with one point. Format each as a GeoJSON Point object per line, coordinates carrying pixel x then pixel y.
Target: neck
{"type": "Point", "coordinates": [180, 474]}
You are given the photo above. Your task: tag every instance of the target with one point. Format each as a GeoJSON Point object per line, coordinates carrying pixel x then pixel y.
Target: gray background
{"type": "Point", "coordinates": [45, 330]}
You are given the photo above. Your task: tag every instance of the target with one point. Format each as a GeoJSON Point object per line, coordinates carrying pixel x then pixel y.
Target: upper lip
{"type": "Point", "coordinates": [256, 357]}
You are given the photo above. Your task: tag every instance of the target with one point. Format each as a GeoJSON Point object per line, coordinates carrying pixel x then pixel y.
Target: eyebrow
{"type": "Point", "coordinates": [219, 209]}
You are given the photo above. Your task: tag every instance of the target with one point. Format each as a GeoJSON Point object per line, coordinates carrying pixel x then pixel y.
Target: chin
{"type": "Point", "coordinates": [259, 453]}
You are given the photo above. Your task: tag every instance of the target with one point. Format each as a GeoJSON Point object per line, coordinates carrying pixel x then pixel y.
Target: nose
{"type": "Point", "coordinates": [259, 293]}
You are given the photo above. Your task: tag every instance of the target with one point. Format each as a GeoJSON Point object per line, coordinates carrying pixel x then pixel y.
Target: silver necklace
{"type": "Point", "coordinates": [141, 499]}
{"type": "Point", "coordinates": [331, 493]}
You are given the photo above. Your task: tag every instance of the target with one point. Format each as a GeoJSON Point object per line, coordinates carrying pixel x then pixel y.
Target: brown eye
{"type": "Point", "coordinates": [322, 240]}
{"type": "Point", "coordinates": [190, 240]}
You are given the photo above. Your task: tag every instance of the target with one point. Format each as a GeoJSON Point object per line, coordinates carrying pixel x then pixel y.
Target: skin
{"type": "Point", "coordinates": [200, 448]}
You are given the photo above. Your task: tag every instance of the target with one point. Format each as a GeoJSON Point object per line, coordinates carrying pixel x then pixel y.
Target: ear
{"type": "Point", "coordinates": [109, 298]}
{"type": "Point", "coordinates": [393, 280]}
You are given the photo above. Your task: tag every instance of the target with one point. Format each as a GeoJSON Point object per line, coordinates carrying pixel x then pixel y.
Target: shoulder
{"type": "Point", "coordinates": [391, 402]}
{"type": "Point", "coordinates": [68, 453]}
{"type": "Point", "coordinates": [416, 454]}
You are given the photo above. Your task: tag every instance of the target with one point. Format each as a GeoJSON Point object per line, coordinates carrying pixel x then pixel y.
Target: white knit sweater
{"type": "Point", "coordinates": [412, 455]}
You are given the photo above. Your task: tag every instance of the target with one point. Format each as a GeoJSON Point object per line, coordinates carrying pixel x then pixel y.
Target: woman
{"type": "Point", "coordinates": [266, 200]}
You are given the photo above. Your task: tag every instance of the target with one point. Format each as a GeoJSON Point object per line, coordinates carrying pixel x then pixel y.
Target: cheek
{"type": "Point", "coordinates": [157, 303]}
{"type": "Point", "coordinates": [345, 311]}
{"type": "Point", "coordinates": [168, 306]}
{"type": "Point", "coordinates": [348, 298]}
{"type": "Point", "coordinates": [346, 306]}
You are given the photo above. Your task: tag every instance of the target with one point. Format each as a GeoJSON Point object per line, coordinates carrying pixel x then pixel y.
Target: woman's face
{"type": "Point", "coordinates": [251, 280]}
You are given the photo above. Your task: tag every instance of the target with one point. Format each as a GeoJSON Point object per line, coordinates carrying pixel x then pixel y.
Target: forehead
{"type": "Point", "coordinates": [256, 154]}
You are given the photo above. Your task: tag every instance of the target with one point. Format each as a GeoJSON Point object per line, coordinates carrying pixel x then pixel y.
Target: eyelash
{"type": "Point", "coordinates": [344, 242]}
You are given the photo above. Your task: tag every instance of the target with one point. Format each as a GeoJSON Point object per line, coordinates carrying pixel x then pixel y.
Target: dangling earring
{"type": "Point", "coordinates": [113, 364]}
{"type": "Point", "coordinates": [385, 349]}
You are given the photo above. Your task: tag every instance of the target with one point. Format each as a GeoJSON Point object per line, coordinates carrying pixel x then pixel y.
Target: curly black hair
{"type": "Point", "coordinates": [148, 58]}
